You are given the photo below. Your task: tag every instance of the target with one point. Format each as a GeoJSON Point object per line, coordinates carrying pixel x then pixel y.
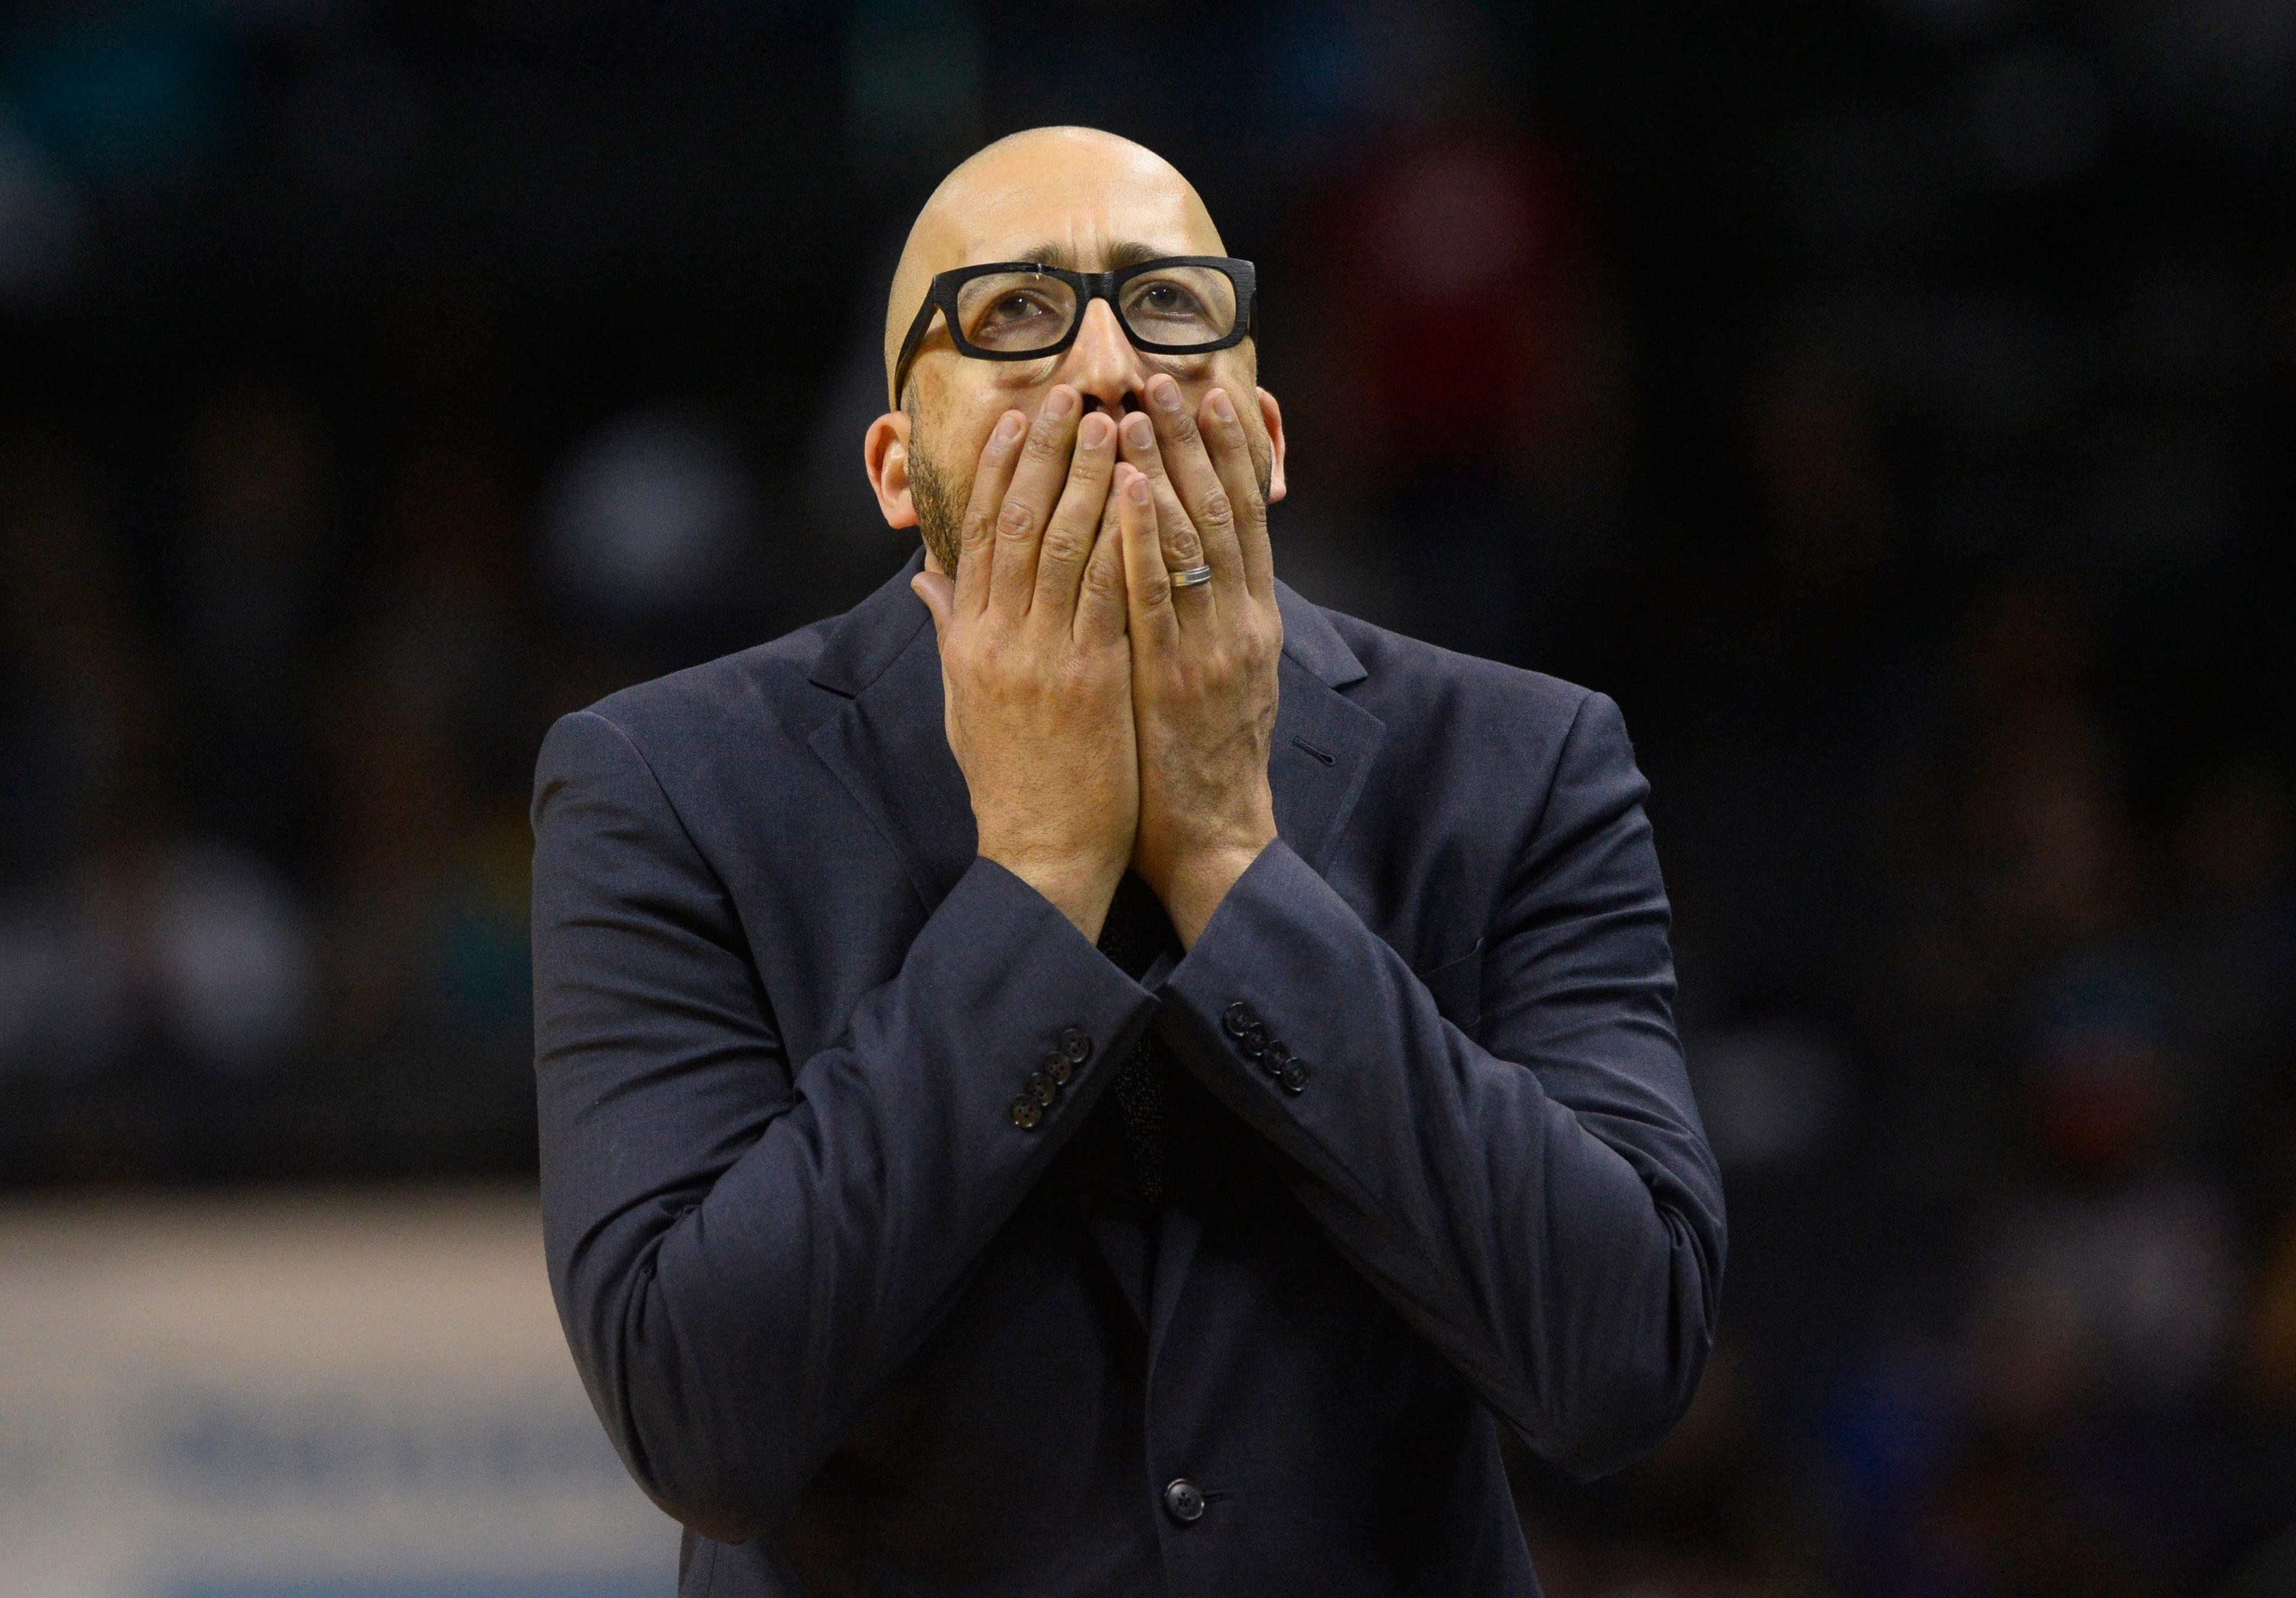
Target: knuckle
{"type": "Point", "coordinates": [1216, 508]}
{"type": "Point", "coordinates": [1066, 543]}
{"type": "Point", "coordinates": [1100, 578]}
{"type": "Point", "coordinates": [1015, 519]}
{"type": "Point", "coordinates": [1044, 444]}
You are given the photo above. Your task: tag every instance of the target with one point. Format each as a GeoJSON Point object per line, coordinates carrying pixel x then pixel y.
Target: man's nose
{"type": "Point", "coordinates": [1102, 365]}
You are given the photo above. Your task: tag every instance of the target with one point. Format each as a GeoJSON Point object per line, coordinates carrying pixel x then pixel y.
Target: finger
{"type": "Point", "coordinates": [1069, 536]}
{"type": "Point", "coordinates": [1038, 478]}
{"type": "Point", "coordinates": [977, 544]}
{"type": "Point", "coordinates": [939, 595]}
{"type": "Point", "coordinates": [1182, 548]}
{"type": "Point", "coordinates": [1231, 458]}
{"type": "Point", "coordinates": [1202, 493]}
{"type": "Point", "coordinates": [1100, 613]}
{"type": "Point", "coordinates": [1147, 585]}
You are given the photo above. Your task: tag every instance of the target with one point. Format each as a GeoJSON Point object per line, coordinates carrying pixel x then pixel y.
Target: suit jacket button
{"type": "Point", "coordinates": [1184, 1501]}
{"type": "Point", "coordinates": [1277, 1056]}
{"type": "Point", "coordinates": [1236, 1017]}
{"type": "Point", "coordinates": [1293, 1075]}
{"type": "Point", "coordinates": [1076, 1045]}
{"type": "Point", "coordinates": [1253, 1040]}
{"type": "Point", "coordinates": [1042, 1088]}
{"type": "Point", "coordinates": [1056, 1067]}
{"type": "Point", "coordinates": [1027, 1112]}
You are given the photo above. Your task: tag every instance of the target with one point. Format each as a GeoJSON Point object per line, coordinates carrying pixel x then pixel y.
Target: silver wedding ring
{"type": "Point", "coordinates": [1191, 577]}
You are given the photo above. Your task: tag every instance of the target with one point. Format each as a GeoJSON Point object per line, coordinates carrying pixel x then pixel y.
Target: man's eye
{"type": "Point", "coordinates": [1169, 300]}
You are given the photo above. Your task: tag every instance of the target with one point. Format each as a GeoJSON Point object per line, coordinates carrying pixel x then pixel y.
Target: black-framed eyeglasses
{"type": "Point", "coordinates": [1024, 310]}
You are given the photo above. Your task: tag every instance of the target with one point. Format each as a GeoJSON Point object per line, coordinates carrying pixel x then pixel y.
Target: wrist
{"type": "Point", "coordinates": [1079, 886]}
{"type": "Point", "coordinates": [1201, 878]}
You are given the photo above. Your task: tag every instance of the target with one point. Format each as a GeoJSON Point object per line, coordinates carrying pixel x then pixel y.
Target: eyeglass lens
{"type": "Point", "coordinates": [1019, 311]}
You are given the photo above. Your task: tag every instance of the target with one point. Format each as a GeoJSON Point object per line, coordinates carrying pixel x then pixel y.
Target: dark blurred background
{"type": "Point", "coordinates": [1888, 402]}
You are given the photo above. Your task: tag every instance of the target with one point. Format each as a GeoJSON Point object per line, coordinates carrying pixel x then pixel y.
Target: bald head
{"type": "Point", "coordinates": [1064, 195]}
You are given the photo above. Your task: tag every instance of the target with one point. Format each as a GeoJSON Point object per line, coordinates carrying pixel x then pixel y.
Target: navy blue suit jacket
{"type": "Point", "coordinates": [840, 1311]}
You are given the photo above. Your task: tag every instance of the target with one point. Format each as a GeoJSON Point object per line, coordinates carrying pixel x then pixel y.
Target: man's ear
{"type": "Point", "coordinates": [1271, 417]}
{"type": "Point", "coordinates": [885, 452]}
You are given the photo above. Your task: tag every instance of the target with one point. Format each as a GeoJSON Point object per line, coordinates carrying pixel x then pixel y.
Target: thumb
{"type": "Point", "coordinates": [940, 594]}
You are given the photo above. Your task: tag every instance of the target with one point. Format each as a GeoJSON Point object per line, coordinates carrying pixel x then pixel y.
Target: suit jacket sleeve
{"type": "Point", "coordinates": [1538, 1200]}
{"type": "Point", "coordinates": [744, 1247]}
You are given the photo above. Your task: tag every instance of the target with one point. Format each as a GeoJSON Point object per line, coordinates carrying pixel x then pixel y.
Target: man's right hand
{"type": "Point", "coordinates": [1036, 671]}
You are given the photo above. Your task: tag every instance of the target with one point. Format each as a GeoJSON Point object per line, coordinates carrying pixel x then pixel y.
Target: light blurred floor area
{"type": "Point", "coordinates": [307, 1394]}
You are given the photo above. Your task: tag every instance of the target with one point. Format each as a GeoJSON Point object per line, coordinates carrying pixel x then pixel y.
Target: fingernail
{"type": "Point", "coordinates": [1221, 406]}
{"type": "Point", "coordinates": [1059, 402]}
{"type": "Point", "coordinates": [1138, 489]}
{"type": "Point", "coordinates": [1097, 431]}
{"type": "Point", "coordinates": [1139, 432]}
{"type": "Point", "coordinates": [1010, 427]}
{"type": "Point", "coordinates": [1165, 393]}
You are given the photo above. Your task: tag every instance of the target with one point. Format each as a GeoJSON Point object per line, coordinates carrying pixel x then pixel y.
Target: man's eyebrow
{"type": "Point", "coordinates": [1128, 252]}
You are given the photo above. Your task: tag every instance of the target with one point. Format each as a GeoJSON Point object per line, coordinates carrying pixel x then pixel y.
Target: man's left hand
{"type": "Point", "coordinates": [1204, 657]}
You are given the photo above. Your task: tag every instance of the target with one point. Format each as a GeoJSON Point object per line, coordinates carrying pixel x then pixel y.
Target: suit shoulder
{"type": "Point", "coordinates": [766, 683]}
{"type": "Point", "coordinates": [1439, 685]}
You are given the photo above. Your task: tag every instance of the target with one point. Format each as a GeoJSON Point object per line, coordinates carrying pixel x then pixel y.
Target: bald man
{"type": "Point", "coordinates": [1088, 1073]}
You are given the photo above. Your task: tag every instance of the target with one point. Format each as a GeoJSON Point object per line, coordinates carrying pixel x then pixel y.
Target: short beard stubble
{"type": "Point", "coordinates": [940, 514]}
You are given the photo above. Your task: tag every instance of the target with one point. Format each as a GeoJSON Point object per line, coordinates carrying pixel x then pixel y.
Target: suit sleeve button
{"type": "Point", "coordinates": [1027, 1112]}
{"type": "Point", "coordinates": [1254, 1040]}
{"type": "Point", "coordinates": [1076, 1045]}
{"type": "Point", "coordinates": [1056, 1067]}
{"type": "Point", "coordinates": [1293, 1075]}
{"type": "Point", "coordinates": [1184, 1501]}
{"type": "Point", "coordinates": [1042, 1088]}
{"type": "Point", "coordinates": [1275, 1057]}
{"type": "Point", "coordinates": [1236, 1017]}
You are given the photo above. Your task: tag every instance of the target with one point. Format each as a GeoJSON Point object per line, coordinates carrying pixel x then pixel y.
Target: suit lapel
{"type": "Point", "coordinates": [889, 745]}
{"type": "Point", "coordinates": [1324, 741]}
{"type": "Point", "coordinates": [1322, 753]}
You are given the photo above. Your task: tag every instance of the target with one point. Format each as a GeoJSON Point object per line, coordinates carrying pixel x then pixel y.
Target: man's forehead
{"type": "Point", "coordinates": [1081, 217]}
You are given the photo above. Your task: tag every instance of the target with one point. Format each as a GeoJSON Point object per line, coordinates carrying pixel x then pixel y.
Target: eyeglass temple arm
{"type": "Point", "coordinates": [915, 336]}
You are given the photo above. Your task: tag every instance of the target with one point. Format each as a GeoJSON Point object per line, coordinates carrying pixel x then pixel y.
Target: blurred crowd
{"type": "Point", "coordinates": [1886, 403]}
